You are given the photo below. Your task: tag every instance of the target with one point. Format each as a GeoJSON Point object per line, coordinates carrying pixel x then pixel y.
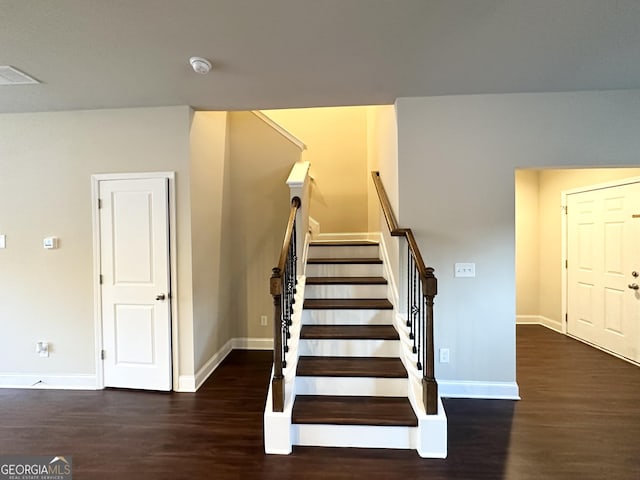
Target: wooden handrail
{"type": "Point", "coordinates": [295, 205]}
{"type": "Point", "coordinates": [429, 285]}
{"type": "Point", "coordinates": [280, 275]}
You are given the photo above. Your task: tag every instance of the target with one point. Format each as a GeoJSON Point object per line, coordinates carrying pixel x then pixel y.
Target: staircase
{"type": "Point", "coordinates": [351, 385]}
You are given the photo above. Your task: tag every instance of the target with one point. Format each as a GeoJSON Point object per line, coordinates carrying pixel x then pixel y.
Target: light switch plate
{"type": "Point", "coordinates": [465, 270]}
{"type": "Point", "coordinates": [3, 241]}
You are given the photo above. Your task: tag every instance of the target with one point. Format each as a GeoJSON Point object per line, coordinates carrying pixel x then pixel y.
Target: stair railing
{"type": "Point", "coordinates": [283, 288]}
{"type": "Point", "coordinates": [422, 287]}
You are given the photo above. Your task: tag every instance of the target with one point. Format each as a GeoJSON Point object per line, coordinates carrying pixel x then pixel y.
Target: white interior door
{"type": "Point", "coordinates": [603, 238]}
{"type": "Point", "coordinates": [134, 257]}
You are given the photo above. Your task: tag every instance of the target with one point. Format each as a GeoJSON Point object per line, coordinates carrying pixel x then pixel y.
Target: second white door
{"type": "Point", "coordinates": [603, 238]}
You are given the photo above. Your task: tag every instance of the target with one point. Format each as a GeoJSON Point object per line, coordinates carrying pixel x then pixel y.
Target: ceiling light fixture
{"type": "Point", "coordinates": [200, 65]}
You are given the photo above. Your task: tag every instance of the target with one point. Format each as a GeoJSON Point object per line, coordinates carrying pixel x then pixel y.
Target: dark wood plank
{"type": "Point", "coordinates": [351, 367]}
{"type": "Point", "coordinates": [338, 410]}
{"type": "Point", "coordinates": [344, 261]}
{"type": "Point", "coordinates": [349, 332]}
{"type": "Point", "coordinates": [346, 281]}
{"type": "Point", "coordinates": [348, 304]}
{"type": "Point", "coordinates": [579, 419]}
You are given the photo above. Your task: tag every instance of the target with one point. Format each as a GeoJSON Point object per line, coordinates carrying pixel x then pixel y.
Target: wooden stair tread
{"type": "Point", "coordinates": [349, 332]}
{"type": "Point", "coordinates": [344, 261]}
{"type": "Point", "coordinates": [346, 281]}
{"type": "Point", "coordinates": [345, 243]}
{"type": "Point", "coordinates": [377, 367]}
{"type": "Point", "coordinates": [348, 304]}
{"type": "Point", "coordinates": [343, 410]}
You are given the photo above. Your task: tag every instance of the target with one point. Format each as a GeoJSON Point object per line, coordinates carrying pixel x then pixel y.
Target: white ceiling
{"type": "Point", "coordinates": [297, 53]}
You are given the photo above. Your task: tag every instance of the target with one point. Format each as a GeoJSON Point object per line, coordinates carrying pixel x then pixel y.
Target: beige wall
{"type": "Point", "coordinates": [382, 156]}
{"type": "Point", "coordinates": [457, 157]}
{"type": "Point", "coordinates": [212, 315]}
{"type": "Point", "coordinates": [260, 160]}
{"type": "Point", "coordinates": [527, 243]}
{"type": "Point", "coordinates": [46, 163]}
{"type": "Point", "coordinates": [336, 140]}
{"type": "Point", "coordinates": [552, 183]}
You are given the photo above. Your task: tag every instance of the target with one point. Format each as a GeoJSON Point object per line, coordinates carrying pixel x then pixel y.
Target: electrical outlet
{"type": "Point", "coordinates": [264, 320]}
{"type": "Point", "coordinates": [444, 355]}
{"type": "Point", "coordinates": [42, 349]}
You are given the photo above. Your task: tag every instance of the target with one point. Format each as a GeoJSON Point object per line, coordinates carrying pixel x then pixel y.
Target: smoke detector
{"type": "Point", "coordinates": [12, 76]}
{"type": "Point", "coordinates": [200, 65]}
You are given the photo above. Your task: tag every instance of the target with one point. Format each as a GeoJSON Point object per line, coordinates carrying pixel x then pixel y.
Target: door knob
{"type": "Point", "coordinates": [162, 296]}
{"type": "Point", "coordinates": [635, 274]}
{"type": "Point", "coordinates": [634, 286]}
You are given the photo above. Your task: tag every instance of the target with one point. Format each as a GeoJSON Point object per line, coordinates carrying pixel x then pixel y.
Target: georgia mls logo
{"type": "Point", "coordinates": [36, 468]}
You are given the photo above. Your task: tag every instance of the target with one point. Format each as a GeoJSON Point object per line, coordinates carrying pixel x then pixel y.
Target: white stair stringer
{"type": "Point", "coordinates": [359, 436]}
{"type": "Point", "coordinates": [277, 425]}
{"type": "Point", "coordinates": [431, 440]}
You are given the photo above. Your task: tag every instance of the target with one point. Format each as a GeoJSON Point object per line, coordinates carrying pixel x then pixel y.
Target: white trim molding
{"type": "Point", "coordinates": [280, 129]}
{"type": "Point", "coordinates": [551, 324]}
{"type": "Point", "coordinates": [245, 343]}
{"type": "Point", "coordinates": [474, 389]}
{"type": "Point", "coordinates": [53, 382]}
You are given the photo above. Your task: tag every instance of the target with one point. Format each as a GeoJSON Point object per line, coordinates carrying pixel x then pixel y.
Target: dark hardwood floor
{"type": "Point", "coordinates": [579, 418]}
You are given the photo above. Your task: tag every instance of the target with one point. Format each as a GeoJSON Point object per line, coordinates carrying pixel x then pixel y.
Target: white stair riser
{"type": "Point", "coordinates": [344, 270]}
{"type": "Point", "coordinates": [356, 386]}
{"type": "Point", "coordinates": [360, 251]}
{"type": "Point", "coordinates": [349, 348]}
{"type": "Point", "coordinates": [345, 291]}
{"type": "Point", "coordinates": [347, 317]}
{"type": "Point", "coordinates": [360, 436]}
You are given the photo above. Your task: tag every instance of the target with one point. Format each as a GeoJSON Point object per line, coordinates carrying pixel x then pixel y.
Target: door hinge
{"type": "Point", "coordinates": [566, 264]}
{"type": "Point", "coordinates": [566, 209]}
{"type": "Point", "coordinates": [99, 203]}
{"type": "Point", "coordinates": [102, 354]}
{"type": "Point", "coordinates": [100, 279]}
{"type": "Point", "coordinates": [566, 318]}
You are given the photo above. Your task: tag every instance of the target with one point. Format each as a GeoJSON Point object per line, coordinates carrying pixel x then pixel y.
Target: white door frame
{"type": "Point", "coordinates": [173, 268]}
{"type": "Point", "coordinates": [565, 253]}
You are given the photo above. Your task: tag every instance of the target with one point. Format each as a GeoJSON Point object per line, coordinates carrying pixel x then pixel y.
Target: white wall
{"type": "Point", "coordinates": [527, 243]}
{"type": "Point", "coordinates": [46, 163]}
{"type": "Point", "coordinates": [456, 172]}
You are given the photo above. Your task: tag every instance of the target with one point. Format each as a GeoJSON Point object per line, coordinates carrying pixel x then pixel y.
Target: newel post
{"type": "Point", "coordinates": [429, 384]}
{"type": "Point", "coordinates": [277, 385]}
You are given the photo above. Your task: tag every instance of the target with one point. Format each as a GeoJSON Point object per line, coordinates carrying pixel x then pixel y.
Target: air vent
{"type": "Point", "coordinates": [13, 76]}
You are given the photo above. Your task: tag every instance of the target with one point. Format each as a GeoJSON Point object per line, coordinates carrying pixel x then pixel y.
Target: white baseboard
{"type": "Point", "coordinates": [245, 343]}
{"type": "Point", "coordinates": [216, 359]}
{"type": "Point", "coordinates": [186, 383]}
{"type": "Point", "coordinates": [473, 389]}
{"type": "Point", "coordinates": [539, 320]}
{"type": "Point", "coordinates": [55, 382]}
